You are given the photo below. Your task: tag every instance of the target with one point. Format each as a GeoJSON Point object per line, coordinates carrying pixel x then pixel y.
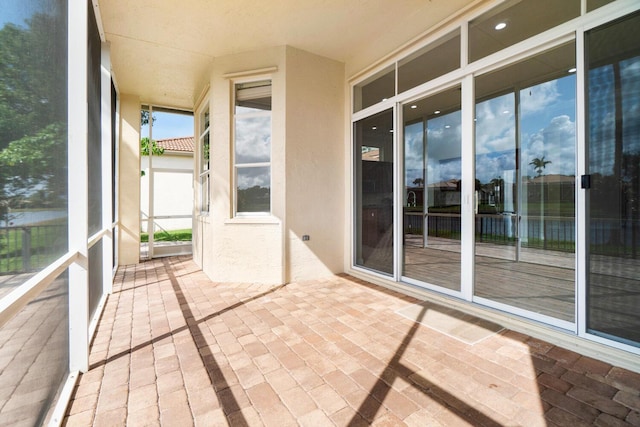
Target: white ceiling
{"type": "Point", "coordinates": [162, 49]}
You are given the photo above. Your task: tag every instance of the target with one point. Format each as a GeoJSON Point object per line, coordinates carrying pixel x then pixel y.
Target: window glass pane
{"type": "Point", "coordinates": [432, 61]}
{"type": "Point", "coordinates": [525, 184]}
{"type": "Point", "coordinates": [374, 192]}
{"type": "Point", "coordinates": [34, 349]}
{"type": "Point", "coordinates": [253, 122]}
{"type": "Point", "coordinates": [594, 4]}
{"type": "Point", "coordinates": [114, 145]}
{"type": "Point", "coordinates": [94, 147]}
{"type": "Point", "coordinates": [95, 277]}
{"type": "Point", "coordinates": [253, 138]}
{"type": "Point", "coordinates": [204, 121]}
{"type": "Point", "coordinates": [613, 136]}
{"type": "Point", "coordinates": [33, 136]}
{"type": "Point", "coordinates": [253, 147]}
{"type": "Point", "coordinates": [433, 178]}
{"type": "Point", "coordinates": [253, 97]}
{"type": "Point", "coordinates": [205, 153]}
{"type": "Point", "coordinates": [514, 21]}
{"type": "Point", "coordinates": [206, 147]}
{"type": "Point", "coordinates": [254, 189]}
{"type": "Point", "coordinates": [375, 89]}
{"type": "Point", "coordinates": [204, 195]}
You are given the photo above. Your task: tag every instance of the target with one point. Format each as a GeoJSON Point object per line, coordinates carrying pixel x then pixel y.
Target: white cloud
{"type": "Point", "coordinates": [539, 97]}
{"type": "Point", "coordinates": [495, 125]}
{"type": "Point", "coordinates": [252, 176]}
{"type": "Point", "coordinates": [253, 139]}
{"type": "Point", "coordinates": [556, 142]}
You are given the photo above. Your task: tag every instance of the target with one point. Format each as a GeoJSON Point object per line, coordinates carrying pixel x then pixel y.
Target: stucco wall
{"type": "Point", "coordinates": [315, 178]}
{"type": "Point", "coordinates": [173, 190]}
{"type": "Point", "coordinates": [244, 250]}
{"type": "Point", "coordinates": [129, 181]}
{"type": "Point", "coordinates": [307, 142]}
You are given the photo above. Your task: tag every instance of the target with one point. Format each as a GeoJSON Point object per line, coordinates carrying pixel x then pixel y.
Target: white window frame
{"type": "Point", "coordinates": [572, 30]}
{"type": "Point", "coordinates": [236, 166]}
{"type": "Point", "coordinates": [204, 175]}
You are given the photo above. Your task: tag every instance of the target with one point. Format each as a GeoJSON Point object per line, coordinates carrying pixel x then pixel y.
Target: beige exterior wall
{"type": "Point", "coordinates": [307, 139]}
{"type": "Point", "coordinates": [129, 181]}
{"type": "Point", "coordinates": [173, 189]}
{"type": "Point", "coordinates": [243, 250]}
{"type": "Point", "coordinates": [315, 174]}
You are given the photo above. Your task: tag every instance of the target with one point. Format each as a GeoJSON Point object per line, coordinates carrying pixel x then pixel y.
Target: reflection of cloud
{"type": "Point", "coordinates": [444, 136]}
{"type": "Point", "coordinates": [444, 170]}
{"type": "Point", "coordinates": [539, 97]}
{"type": "Point", "coordinates": [443, 139]}
{"type": "Point", "coordinates": [253, 139]}
{"type": "Point", "coordinates": [630, 68]}
{"type": "Point", "coordinates": [250, 177]}
{"type": "Point", "coordinates": [492, 165]}
{"type": "Point", "coordinates": [495, 125]}
{"type": "Point", "coordinates": [413, 162]}
{"type": "Point", "coordinates": [556, 142]}
{"type": "Point", "coordinates": [630, 76]}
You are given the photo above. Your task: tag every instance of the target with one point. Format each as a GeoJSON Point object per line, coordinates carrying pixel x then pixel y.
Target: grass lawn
{"type": "Point", "coordinates": [183, 235]}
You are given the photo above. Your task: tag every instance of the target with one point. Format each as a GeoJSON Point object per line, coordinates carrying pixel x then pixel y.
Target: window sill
{"type": "Point", "coordinates": [253, 220]}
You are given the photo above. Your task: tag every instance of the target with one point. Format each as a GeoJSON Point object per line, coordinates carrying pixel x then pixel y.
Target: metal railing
{"type": "Point", "coordinates": [30, 247]}
{"type": "Point", "coordinates": [613, 237]}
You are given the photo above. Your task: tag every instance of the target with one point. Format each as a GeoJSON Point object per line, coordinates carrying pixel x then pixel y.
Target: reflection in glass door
{"type": "Point", "coordinates": [525, 186]}
{"type": "Point", "coordinates": [613, 138]}
{"type": "Point", "coordinates": [374, 192]}
{"type": "Point", "coordinates": [432, 190]}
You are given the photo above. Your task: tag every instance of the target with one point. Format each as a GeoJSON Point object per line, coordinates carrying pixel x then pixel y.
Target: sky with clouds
{"type": "Point", "coordinates": [547, 128]}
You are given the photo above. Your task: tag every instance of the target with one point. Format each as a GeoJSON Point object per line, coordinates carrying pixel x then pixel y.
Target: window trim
{"type": "Point", "coordinates": [234, 165]}
{"type": "Point", "coordinates": [204, 175]}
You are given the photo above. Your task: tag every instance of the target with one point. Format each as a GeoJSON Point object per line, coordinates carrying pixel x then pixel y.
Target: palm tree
{"type": "Point", "coordinates": [539, 164]}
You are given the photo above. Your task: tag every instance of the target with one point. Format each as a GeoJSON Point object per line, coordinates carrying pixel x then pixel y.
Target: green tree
{"type": "Point", "coordinates": [34, 161]}
{"type": "Point", "coordinates": [33, 109]}
{"type": "Point", "coordinates": [144, 118]}
{"type": "Point", "coordinates": [156, 150]}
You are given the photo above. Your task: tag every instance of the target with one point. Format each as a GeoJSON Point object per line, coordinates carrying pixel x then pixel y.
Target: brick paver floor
{"type": "Point", "coordinates": [175, 349]}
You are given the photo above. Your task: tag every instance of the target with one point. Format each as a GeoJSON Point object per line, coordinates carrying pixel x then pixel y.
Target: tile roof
{"type": "Point", "coordinates": [184, 144]}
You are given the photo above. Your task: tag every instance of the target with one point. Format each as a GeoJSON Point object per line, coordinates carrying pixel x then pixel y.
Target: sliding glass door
{"type": "Point", "coordinates": [432, 190]}
{"type": "Point", "coordinates": [613, 183]}
{"type": "Point", "coordinates": [374, 154]}
{"type": "Point", "coordinates": [525, 186]}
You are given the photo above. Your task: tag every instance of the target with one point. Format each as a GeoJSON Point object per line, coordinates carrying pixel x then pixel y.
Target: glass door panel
{"type": "Point", "coordinates": [432, 189]}
{"type": "Point", "coordinates": [525, 185]}
{"type": "Point", "coordinates": [613, 139]}
{"type": "Point", "coordinates": [374, 192]}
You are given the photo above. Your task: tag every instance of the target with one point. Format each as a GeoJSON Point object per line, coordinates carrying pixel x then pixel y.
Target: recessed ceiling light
{"type": "Point", "coordinates": [436, 112]}
{"type": "Point", "coordinates": [374, 127]}
{"type": "Point", "coordinates": [414, 106]}
{"type": "Point", "coordinates": [447, 127]}
{"type": "Point", "coordinates": [572, 70]}
{"type": "Point", "coordinates": [391, 130]}
{"type": "Point", "coordinates": [500, 26]}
